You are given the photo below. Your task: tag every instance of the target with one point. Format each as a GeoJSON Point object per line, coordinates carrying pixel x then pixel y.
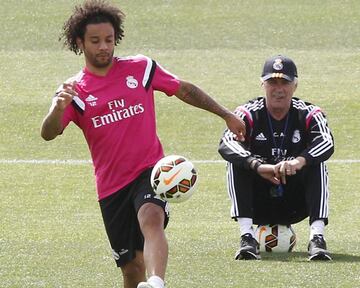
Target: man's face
{"type": "Point", "coordinates": [98, 44]}
{"type": "Point", "coordinates": [279, 93]}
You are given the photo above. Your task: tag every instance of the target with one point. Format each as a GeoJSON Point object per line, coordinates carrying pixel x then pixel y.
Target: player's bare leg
{"type": "Point", "coordinates": [151, 219]}
{"type": "Point", "coordinates": [134, 271]}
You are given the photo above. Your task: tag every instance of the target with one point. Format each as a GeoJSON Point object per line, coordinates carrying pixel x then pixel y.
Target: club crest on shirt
{"type": "Point", "coordinates": [131, 82]}
{"type": "Point", "coordinates": [296, 136]}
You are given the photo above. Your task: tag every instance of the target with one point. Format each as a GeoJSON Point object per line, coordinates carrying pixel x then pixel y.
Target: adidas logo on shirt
{"type": "Point", "coordinates": [261, 137]}
{"type": "Point", "coordinates": [91, 98]}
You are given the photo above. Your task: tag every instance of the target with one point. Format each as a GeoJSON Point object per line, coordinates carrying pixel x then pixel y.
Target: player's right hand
{"type": "Point", "coordinates": [237, 126]}
{"type": "Point", "coordinates": [65, 96]}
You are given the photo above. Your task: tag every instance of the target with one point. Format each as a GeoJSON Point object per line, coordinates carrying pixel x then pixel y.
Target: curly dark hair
{"type": "Point", "coordinates": [91, 12]}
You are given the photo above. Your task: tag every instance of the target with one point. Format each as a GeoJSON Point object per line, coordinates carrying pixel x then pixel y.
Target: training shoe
{"type": "Point", "coordinates": [249, 248]}
{"type": "Point", "coordinates": [145, 285]}
{"type": "Point", "coordinates": [317, 248]}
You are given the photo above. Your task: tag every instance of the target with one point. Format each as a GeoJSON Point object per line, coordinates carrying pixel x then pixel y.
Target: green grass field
{"type": "Point", "coordinates": [51, 231]}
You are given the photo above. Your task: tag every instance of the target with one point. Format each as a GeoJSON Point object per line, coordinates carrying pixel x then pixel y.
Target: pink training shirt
{"type": "Point", "coordinates": [117, 116]}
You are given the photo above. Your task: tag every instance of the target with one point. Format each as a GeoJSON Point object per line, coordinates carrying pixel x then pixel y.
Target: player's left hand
{"type": "Point", "coordinates": [288, 168]}
{"type": "Point", "coordinates": [237, 126]}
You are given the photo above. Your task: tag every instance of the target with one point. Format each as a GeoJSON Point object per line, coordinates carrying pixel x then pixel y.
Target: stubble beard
{"type": "Point", "coordinates": [94, 60]}
{"type": "Point", "coordinates": [103, 64]}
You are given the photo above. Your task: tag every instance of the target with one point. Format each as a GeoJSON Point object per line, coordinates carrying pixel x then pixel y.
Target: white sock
{"type": "Point", "coordinates": [156, 281]}
{"type": "Point", "coordinates": [246, 226]}
{"type": "Point", "coordinates": [317, 227]}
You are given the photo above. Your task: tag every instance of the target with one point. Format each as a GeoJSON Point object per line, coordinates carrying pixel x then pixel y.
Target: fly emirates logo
{"type": "Point", "coordinates": [118, 112]}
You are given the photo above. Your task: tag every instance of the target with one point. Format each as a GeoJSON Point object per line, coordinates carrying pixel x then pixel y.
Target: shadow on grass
{"type": "Point", "coordinates": [302, 256]}
{"type": "Point", "coordinates": [345, 258]}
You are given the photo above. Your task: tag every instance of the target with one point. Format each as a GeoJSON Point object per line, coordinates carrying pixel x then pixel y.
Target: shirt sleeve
{"type": "Point", "coordinates": [165, 81]}
{"type": "Point", "coordinates": [321, 141]}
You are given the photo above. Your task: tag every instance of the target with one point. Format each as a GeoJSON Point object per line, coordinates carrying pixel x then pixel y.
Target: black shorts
{"type": "Point", "coordinates": [270, 208]}
{"type": "Point", "coordinates": [119, 212]}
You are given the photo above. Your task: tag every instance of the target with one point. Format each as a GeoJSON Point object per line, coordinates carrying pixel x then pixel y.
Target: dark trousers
{"type": "Point", "coordinates": [305, 194]}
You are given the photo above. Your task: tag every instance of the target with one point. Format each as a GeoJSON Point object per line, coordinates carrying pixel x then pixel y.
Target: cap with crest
{"type": "Point", "coordinates": [279, 67]}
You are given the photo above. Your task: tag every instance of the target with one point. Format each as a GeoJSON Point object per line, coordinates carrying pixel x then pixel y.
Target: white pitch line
{"type": "Point", "coordinates": [85, 162]}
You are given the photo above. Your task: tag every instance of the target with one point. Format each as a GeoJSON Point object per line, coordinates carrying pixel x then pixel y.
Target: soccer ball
{"type": "Point", "coordinates": [174, 178]}
{"type": "Point", "coordinates": [275, 238]}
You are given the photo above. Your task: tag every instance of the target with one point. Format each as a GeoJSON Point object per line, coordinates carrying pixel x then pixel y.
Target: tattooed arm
{"type": "Point", "coordinates": [194, 96]}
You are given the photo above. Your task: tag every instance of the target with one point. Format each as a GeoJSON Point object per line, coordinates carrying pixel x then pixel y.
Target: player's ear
{"type": "Point", "coordinates": [80, 43]}
{"type": "Point", "coordinates": [296, 84]}
{"type": "Point", "coordinates": [262, 82]}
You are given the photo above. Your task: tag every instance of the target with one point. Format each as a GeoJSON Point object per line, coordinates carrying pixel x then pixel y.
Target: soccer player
{"type": "Point", "coordinates": [278, 174]}
{"type": "Point", "coordinates": [112, 101]}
